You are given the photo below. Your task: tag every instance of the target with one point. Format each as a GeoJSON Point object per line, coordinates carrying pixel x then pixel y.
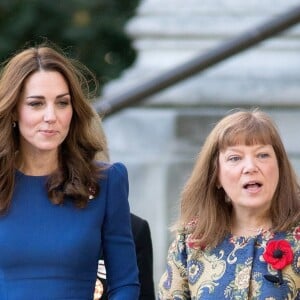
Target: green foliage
{"type": "Point", "coordinates": [89, 30]}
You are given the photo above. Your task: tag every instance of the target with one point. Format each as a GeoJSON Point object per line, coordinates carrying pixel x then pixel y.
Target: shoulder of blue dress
{"type": "Point", "coordinates": [116, 167]}
{"type": "Point", "coordinates": [119, 167]}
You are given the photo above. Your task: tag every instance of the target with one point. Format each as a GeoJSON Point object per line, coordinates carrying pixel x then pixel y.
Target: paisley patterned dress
{"type": "Point", "coordinates": [235, 269]}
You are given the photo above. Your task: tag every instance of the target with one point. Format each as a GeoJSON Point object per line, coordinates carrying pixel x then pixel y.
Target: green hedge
{"type": "Point", "coordinates": [89, 30]}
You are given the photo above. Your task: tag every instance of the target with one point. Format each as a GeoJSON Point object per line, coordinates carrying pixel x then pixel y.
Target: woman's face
{"type": "Point", "coordinates": [44, 112]}
{"type": "Point", "coordinates": [249, 175]}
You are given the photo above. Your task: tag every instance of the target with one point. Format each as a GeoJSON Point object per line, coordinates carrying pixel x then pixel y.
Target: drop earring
{"type": "Point", "coordinates": [227, 199]}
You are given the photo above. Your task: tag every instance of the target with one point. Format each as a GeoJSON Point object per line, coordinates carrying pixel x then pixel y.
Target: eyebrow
{"type": "Point", "coordinates": [42, 97]}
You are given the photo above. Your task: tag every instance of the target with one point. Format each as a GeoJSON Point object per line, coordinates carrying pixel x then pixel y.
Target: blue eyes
{"type": "Point", "coordinates": [263, 155]}
{"type": "Point", "coordinates": [235, 158]}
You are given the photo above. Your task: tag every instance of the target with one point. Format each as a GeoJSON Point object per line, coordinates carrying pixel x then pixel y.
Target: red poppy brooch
{"type": "Point", "coordinates": [278, 254]}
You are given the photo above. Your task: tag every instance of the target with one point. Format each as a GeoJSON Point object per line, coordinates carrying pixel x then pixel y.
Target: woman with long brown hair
{"type": "Point", "coordinates": [60, 208]}
{"type": "Point", "coordinates": [238, 236]}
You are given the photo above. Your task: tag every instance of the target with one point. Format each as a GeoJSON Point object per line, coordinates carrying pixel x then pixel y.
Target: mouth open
{"type": "Point", "coordinates": [252, 185]}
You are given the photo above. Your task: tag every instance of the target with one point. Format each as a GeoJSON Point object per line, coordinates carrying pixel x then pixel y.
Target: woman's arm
{"type": "Point", "coordinates": [118, 246]}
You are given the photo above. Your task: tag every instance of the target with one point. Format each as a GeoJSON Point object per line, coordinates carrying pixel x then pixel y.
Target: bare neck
{"type": "Point", "coordinates": [250, 224]}
{"type": "Point", "coordinates": [37, 164]}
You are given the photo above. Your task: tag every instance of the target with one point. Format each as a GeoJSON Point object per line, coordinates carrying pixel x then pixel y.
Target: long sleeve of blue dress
{"type": "Point", "coordinates": [118, 245]}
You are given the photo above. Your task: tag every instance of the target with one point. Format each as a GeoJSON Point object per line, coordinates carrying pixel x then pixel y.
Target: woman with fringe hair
{"type": "Point", "coordinates": [238, 236]}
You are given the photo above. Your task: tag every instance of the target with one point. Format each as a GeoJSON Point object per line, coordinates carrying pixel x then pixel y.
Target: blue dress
{"type": "Point", "coordinates": [51, 251]}
{"type": "Point", "coordinates": [235, 269]}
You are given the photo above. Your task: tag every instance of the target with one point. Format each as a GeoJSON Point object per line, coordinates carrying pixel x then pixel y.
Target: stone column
{"type": "Point", "coordinates": [159, 139]}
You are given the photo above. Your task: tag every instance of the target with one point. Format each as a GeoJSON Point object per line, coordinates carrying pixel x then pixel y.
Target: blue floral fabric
{"type": "Point", "coordinates": [235, 269]}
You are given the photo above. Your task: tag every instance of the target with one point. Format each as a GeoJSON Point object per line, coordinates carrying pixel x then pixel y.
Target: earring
{"type": "Point", "coordinates": [14, 124]}
{"type": "Point", "coordinates": [227, 199]}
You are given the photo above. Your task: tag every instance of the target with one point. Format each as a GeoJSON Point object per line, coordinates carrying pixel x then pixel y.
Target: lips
{"type": "Point", "coordinates": [48, 132]}
{"type": "Point", "coordinates": [252, 185]}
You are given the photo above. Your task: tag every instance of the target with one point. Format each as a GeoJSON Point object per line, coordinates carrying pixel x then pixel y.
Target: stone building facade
{"type": "Point", "coordinates": [159, 139]}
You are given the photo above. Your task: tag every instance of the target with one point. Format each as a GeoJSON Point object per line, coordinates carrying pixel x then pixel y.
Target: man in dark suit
{"type": "Point", "coordinates": [144, 252]}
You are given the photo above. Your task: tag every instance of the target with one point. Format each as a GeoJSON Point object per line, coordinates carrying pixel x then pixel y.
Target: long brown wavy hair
{"type": "Point", "coordinates": [202, 201]}
{"type": "Point", "coordinates": [77, 175]}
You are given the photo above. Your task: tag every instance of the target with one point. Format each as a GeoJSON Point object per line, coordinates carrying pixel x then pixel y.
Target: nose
{"type": "Point", "coordinates": [50, 114]}
{"type": "Point", "coordinates": [250, 165]}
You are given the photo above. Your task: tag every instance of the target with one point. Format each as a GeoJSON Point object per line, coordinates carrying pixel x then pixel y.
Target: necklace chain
{"type": "Point", "coordinates": [257, 230]}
